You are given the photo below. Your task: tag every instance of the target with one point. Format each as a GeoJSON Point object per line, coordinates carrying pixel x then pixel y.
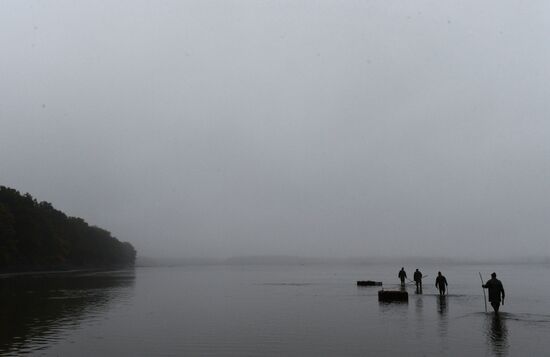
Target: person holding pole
{"type": "Point", "coordinates": [441, 283]}
{"type": "Point", "coordinates": [496, 290]}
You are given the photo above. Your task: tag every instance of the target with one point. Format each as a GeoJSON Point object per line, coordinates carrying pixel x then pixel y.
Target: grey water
{"type": "Point", "coordinates": [271, 310]}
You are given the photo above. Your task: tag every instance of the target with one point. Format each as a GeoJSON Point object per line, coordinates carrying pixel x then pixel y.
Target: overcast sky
{"type": "Point", "coordinates": [311, 128]}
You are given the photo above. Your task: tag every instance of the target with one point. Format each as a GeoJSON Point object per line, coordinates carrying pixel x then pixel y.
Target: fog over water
{"type": "Point", "coordinates": [307, 128]}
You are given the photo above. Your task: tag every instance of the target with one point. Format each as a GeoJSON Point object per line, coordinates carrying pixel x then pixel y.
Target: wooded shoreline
{"type": "Point", "coordinates": [34, 236]}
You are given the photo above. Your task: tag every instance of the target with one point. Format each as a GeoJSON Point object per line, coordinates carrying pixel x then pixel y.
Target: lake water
{"type": "Point", "coordinates": [311, 310]}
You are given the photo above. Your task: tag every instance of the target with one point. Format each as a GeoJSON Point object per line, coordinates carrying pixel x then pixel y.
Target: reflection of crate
{"type": "Point", "coordinates": [393, 295]}
{"type": "Point", "coordinates": [368, 283]}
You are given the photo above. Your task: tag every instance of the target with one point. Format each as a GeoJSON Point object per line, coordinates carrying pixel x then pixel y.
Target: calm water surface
{"type": "Point", "coordinates": [310, 310]}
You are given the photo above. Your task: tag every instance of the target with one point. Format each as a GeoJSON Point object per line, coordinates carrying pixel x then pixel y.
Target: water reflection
{"type": "Point", "coordinates": [419, 306]}
{"type": "Point", "coordinates": [34, 309]}
{"type": "Point", "coordinates": [442, 304]}
{"type": "Point", "coordinates": [497, 334]}
{"type": "Point", "coordinates": [442, 309]}
{"type": "Point", "coordinates": [419, 312]}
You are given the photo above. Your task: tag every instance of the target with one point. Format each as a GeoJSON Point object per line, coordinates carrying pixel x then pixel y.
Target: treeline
{"type": "Point", "coordinates": [36, 236]}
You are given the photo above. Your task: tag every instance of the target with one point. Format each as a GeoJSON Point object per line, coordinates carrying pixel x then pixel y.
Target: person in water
{"type": "Point", "coordinates": [402, 276]}
{"type": "Point", "coordinates": [496, 290]}
{"type": "Point", "coordinates": [418, 279]}
{"type": "Point", "coordinates": [441, 283]}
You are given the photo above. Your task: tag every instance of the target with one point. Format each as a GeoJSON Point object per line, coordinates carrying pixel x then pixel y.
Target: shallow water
{"type": "Point", "coordinates": [271, 310]}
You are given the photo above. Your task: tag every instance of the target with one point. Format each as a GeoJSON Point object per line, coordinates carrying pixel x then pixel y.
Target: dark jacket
{"type": "Point", "coordinates": [402, 275]}
{"type": "Point", "coordinates": [417, 276]}
{"type": "Point", "coordinates": [495, 290]}
{"type": "Point", "coordinates": [440, 282]}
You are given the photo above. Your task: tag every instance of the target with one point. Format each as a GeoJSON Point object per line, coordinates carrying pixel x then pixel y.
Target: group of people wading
{"type": "Point", "coordinates": [496, 290]}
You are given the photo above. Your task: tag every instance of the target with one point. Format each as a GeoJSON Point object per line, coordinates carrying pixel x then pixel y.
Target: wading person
{"type": "Point", "coordinates": [496, 290]}
{"type": "Point", "coordinates": [402, 276]}
{"type": "Point", "coordinates": [441, 283]}
{"type": "Point", "coordinates": [418, 280]}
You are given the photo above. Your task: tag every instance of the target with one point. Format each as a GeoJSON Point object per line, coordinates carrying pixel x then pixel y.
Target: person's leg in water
{"type": "Point", "coordinates": [495, 305]}
{"type": "Point", "coordinates": [442, 291]}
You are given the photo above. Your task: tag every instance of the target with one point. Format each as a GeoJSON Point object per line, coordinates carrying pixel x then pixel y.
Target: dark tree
{"type": "Point", "coordinates": [34, 235]}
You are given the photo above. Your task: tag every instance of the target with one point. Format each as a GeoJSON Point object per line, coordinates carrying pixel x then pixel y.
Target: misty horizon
{"type": "Point", "coordinates": [395, 261]}
{"type": "Point", "coordinates": [311, 129]}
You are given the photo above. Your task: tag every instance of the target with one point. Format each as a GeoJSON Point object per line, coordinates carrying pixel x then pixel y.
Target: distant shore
{"type": "Point", "coordinates": [298, 260]}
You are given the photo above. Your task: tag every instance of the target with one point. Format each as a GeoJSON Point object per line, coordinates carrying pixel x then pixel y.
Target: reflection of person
{"type": "Point", "coordinates": [495, 291]}
{"type": "Point", "coordinates": [497, 334]}
{"type": "Point", "coordinates": [441, 283]}
{"type": "Point", "coordinates": [402, 275]}
{"type": "Point", "coordinates": [418, 279]}
{"type": "Point", "coordinates": [442, 304]}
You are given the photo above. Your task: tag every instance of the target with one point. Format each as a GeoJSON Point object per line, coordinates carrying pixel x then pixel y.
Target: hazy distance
{"type": "Point", "coordinates": [304, 128]}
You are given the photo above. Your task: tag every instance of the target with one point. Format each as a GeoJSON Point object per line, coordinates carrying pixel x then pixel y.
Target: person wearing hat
{"type": "Point", "coordinates": [496, 290]}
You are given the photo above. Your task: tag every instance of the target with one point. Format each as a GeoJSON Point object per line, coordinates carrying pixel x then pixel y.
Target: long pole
{"type": "Point", "coordinates": [484, 297]}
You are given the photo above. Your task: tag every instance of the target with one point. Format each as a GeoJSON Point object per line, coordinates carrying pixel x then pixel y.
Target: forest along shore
{"type": "Point", "coordinates": [36, 237]}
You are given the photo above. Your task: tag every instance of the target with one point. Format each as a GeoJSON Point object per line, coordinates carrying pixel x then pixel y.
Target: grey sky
{"type": "Point", "coordinates": [316, 128]}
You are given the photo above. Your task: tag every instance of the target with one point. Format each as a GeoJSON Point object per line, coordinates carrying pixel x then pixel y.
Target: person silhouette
{"type": "Point", "coordinates": [418, 280]}
{"type": "Point", "coordinates": [496, 290]}
{"type": "Point", "coordinates": [402, 276]}
{"type": "Point", "coordinates": [441, 283]}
